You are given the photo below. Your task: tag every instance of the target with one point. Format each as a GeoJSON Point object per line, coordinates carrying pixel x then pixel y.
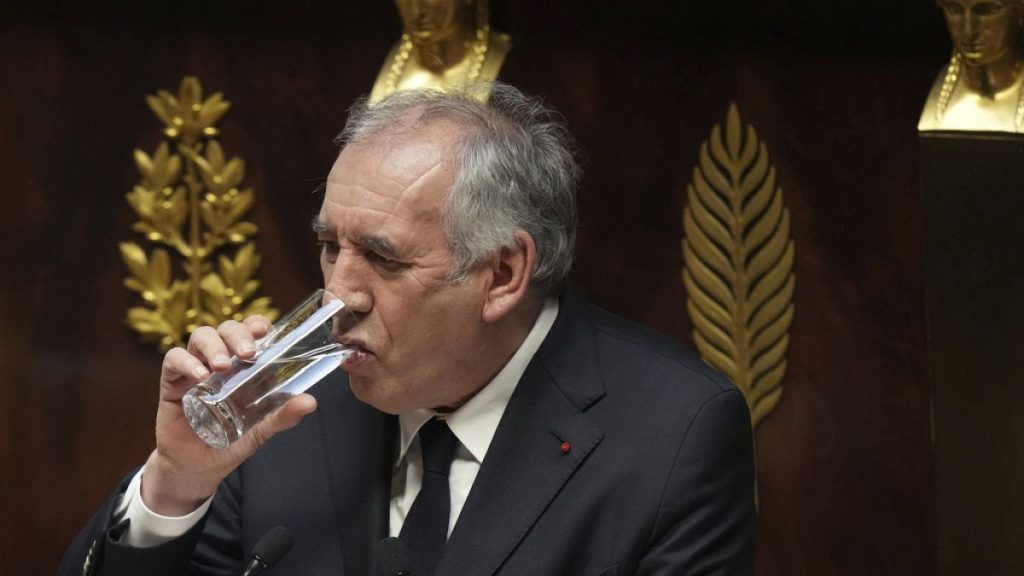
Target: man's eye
{"type": "Point", "coordinates": [389, 264]}
{"type": "Point", "coordinates": [328, 248]}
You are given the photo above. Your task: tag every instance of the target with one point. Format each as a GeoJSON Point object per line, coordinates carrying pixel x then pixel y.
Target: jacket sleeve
{"type": "Point", "coordinates": [706, 521]}
{"type": "Point", "coordinates": [86, 550]}
{"type": "Point", "coordinates": [211, 548]}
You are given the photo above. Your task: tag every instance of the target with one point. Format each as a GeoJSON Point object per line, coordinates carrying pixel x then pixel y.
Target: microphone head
{"type": "Point", "coordinates": [389, 558]}
{"type": "Point", "coordinates": [273, 546]}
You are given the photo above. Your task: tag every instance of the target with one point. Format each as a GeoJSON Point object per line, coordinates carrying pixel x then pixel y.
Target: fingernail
{"type": "Point", "coordinates": [246, 348]}
{"type": "Point", "coordinates": [199, 372]}
{"type": "Point", "coordinates": [221, 359]}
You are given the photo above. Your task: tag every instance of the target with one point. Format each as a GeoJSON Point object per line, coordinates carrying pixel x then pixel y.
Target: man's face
{"type": "Point", "coordinates": [983, 31]}
{"type": "Point", "coordinates": [430, 20]}
{"type": "Point", "coordinates": [384, 252]}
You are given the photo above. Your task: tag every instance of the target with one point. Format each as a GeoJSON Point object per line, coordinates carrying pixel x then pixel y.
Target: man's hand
{"type": "Point", "coordinates": [184, 471]}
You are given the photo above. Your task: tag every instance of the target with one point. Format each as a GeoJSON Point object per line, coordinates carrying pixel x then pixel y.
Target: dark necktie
{"type": "Point", "coordinates": [425, 531]}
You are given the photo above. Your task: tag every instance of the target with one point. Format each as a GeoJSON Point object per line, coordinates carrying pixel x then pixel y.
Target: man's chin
{"type": "Point", "coordinates": [366, 392]}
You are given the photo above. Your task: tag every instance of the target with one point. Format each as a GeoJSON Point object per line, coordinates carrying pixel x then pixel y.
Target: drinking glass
{"type": "Point", "coordinates": [298, 351]}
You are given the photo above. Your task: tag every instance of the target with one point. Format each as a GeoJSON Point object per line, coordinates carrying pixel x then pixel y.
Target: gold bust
{"type": "Point", "coordinates": [980, 89]}
{"type": "Point", "coordinates": [445, 43]}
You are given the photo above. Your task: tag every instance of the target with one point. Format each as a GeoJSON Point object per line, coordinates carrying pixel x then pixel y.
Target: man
{"type": "Point", "coordinates": [578, 443]}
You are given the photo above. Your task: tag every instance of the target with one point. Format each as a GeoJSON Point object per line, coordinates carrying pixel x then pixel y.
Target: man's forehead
{"type": "Point", "coordinates": [390, 212]}
{"type": "Point", "coordinates": [402, 158]}
{"type": "Point", "coordinates": [434, 136]}
{"type": "Point", "coordinates": [410, 177]}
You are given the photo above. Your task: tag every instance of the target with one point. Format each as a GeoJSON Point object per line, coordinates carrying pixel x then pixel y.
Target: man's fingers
{"type": "Point", "coordinates": [207, 344]}
{"type": "Point", "coordinates": [282, 419]}
{"type": "Point", "coordinates": [238, 338]}
{"type": "Point", "coordinates": [290, 414]}
{"type": "Point", "coordinates": [216, 346]}
{"type": "Point", "coordinates": [258, 325]}
{"type": "Point", "coordinates": [180, 367]}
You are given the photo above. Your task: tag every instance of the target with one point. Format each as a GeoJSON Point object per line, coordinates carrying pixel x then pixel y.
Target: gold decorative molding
{"type": "Point", "coordinates": [738, 264]}
{"type": "Point", "coordinates": [190, 210]}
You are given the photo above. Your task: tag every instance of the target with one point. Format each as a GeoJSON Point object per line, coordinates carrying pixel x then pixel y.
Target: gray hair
{"type": "Point", "coordinates": [515, 170]}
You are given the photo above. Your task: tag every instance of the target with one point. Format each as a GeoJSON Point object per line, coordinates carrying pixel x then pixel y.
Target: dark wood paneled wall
{"type": "Point", "coordinates": [833, 88]}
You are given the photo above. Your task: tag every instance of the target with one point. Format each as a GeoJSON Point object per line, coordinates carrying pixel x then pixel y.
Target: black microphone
{"type": "Point", "coordinates": [269, 550]}
{"type": "Point", "coordinates": [389, 558]}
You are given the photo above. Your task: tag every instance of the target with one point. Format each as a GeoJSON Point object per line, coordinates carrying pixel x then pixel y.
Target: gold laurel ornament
{"type": "Point", "coordinates": [738, 264]}
{"type": "Point", "coordinates": [190, 210]}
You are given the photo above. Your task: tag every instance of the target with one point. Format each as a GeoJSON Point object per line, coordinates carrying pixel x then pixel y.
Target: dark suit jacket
{"type": "Point", "coordinates": [659, 478]}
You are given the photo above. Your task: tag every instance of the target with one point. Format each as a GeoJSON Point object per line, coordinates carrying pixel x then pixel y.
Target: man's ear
{"type": "Point", "coordinates": [511, 272]}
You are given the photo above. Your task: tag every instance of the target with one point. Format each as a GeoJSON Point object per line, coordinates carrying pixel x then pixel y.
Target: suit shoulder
{"type": "Point", "coordinates": [647, 355]}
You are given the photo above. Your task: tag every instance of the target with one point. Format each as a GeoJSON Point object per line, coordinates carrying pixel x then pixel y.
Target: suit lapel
{"type": "Point", "coordinates": [359, 445]}
{"type": "Point", "coordinates": [526, 466]}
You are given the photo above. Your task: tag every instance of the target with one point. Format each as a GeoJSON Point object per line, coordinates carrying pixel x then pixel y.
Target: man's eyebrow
{"type": "Point", "coordinates": [380, 245]}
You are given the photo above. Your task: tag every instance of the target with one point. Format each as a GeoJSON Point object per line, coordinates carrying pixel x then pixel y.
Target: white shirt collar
{"type": "Point", "coordinates": [475, 422]}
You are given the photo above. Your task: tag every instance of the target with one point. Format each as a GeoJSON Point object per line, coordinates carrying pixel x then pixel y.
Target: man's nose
{"type": "Point", "coordinates": [346, 281]}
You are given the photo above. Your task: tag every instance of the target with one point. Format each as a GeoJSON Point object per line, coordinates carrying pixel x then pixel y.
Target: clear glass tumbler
{"type": "Point", "coordinates": [297, 353]}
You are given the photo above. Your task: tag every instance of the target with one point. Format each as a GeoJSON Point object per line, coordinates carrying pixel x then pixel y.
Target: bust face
{"type": "Point", "coordinates": [432, 20]}
{"type": "Point", "coordinates": [983, 31]}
